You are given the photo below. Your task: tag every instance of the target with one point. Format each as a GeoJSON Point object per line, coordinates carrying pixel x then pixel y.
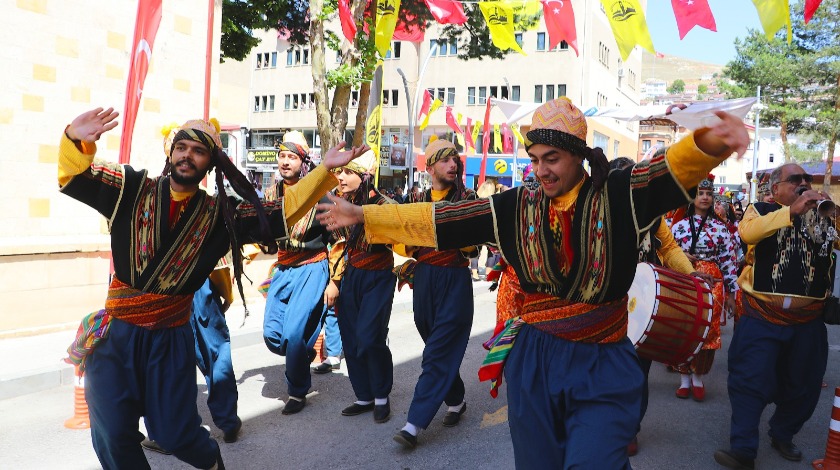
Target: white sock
{"type": "Point", "coordinates": [332, 360]}
{"type": "Point", "coordinates": [697, 380]}
{"type": "Point", "coordinates": [381, 401]}
{"type": "Point", "coordinates": [363, 402]}
{"type": "Point", "coordinates": [411, 429]}
{"type": "Point", "coordinates": [296, 398]}
{"type": "Point", "coordinates": [685, 381]}
{"type": "Point", "coordinates": [456, 408]}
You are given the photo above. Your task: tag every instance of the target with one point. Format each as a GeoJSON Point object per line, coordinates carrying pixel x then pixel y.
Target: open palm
{"type": "Point", "coordinates": [91, 125]}
{"type": "Point", "coordinates": [336, 157]}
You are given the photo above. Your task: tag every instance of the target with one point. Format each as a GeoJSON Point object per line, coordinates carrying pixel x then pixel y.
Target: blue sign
{"type": "Point", "coordinates": [496, 166]}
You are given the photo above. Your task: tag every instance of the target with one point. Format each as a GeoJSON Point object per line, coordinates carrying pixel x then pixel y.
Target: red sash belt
{"type": "Point", "coordinates": [151, 311]}
{"type": "Point", "coordinates": [774, 313]}
{"type": "Point", "coordinates": [371, 261]}
{"type": "Point", "coordinates": [576, 321]}
{"type": "Point", "coordinates": [299, 258]}
{"type": "Point", "coordinates": [445, 258]}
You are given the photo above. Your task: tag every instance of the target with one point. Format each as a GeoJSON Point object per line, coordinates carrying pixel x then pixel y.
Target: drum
{"type": "Point", "coordinates": [669, 314]}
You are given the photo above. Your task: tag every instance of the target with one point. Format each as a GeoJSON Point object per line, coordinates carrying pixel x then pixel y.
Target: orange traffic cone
{"type": "Point", "coordinates": [80, 419]}
{"type": "Point", "coordinates": [320, 350]}
{"type": "Point", "coordinates": [832, 447]}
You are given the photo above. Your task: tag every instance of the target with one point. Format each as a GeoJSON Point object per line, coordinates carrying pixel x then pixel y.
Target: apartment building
{"type": "Point", "coordinates": [278, 80]}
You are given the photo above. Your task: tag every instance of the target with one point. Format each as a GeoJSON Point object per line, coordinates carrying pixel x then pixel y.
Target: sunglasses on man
{"type": "Point", "coordinates": [796, 180]}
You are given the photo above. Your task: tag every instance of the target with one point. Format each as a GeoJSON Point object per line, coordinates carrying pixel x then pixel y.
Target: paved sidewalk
{"type": "Point", "coordinates": [34, 363]}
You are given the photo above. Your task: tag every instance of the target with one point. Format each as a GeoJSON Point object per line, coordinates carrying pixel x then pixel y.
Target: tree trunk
{"type": "Point", "coordinates": [783, 135]}
{"type": "Point", "coordinates": [832, 142]}
{"type": "Point", "coordinates": [361, 114]}
{"type": "Point", "coordinates": [326, 129]}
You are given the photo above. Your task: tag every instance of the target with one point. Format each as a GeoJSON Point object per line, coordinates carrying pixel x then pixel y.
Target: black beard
{"type": "Point", "coordinates": [187, 181]}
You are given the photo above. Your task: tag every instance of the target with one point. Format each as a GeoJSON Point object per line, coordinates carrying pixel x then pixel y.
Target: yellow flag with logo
{"type": "Point", "coordinates": [387, 16]}
{"type": "Point", "coordinates": [527, 15]}
{"type": "Point", "coordinates": [499, 18]}
{"type": "Point", "coordinates": [497, 139]}
{"type": "Point", "coordinates": [515, 129]}
{"type": "Point", "coordinates": [475, 130]}
{"type": "Point", "coordinates": [373, 135]}
{"type": "Point", "coordinates": [773, 15]}
{"type": "Point", "coordinates": [627, 20]}
{"type": "Point", "coordinates": [437, 103]}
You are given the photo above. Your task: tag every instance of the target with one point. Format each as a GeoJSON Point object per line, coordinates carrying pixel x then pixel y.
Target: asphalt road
{"type": "Point", "coordinates": [676, 434]}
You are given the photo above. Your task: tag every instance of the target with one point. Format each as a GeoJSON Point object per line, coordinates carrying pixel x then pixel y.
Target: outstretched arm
{"type": "Point", "coordinates": [77, 150]}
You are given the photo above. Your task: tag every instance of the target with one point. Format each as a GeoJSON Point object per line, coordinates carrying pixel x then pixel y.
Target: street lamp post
{"type": "Point", "coordinates": [754, 180]}
{"type": "Point", "coordinates": [412, 111]}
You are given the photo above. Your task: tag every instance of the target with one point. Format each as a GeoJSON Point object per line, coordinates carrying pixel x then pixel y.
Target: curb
{"type": "Point", "coordinates": [62, 374]}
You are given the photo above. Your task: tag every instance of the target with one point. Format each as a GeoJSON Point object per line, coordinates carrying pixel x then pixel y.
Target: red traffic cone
{"type": "Point", "coordinates": [80, 419]}
{"type": "Point", "coordinates": [832, 447]}
{"type": "Point", "coordinates": [320, 350]}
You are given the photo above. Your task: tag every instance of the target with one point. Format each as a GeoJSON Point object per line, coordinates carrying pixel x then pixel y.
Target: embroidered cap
{"type": "Point", "coordinates": [707, 183]}
{"type": "Point", "coordinates": [364, 163]}
{"type": "Point", "coordinates": [201, 131]}
{"type": "Point", "coordinates": [558, 123]}
{"type": "Point", "coordinates": [438, 150]}
{"type": "Point", "coordinates": [295, 142]}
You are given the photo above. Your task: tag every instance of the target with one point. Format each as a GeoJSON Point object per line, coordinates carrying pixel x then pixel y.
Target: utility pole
{"type": "Point", "coordinates": [412, 111]}
{"type": "Point", "coordinates": [754, 180]}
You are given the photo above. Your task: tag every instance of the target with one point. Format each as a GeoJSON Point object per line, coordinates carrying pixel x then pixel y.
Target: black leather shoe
{"type": "Point", "coordinates": [293, 406]}
{"type": "Point", "coordinates": [326, 367]}
{"type": "Point", "coordinates": [787, 450]}
{"type": "Point", "coordinates": [356, 409]}
{"type": "Point", "coordinates": [451, 418]}
{"type": "Point", "coordinates": [733, 460]}
{"type": "Point", "coordinates": [382, 413]}
{"type": "Point", "coordinates": [153, 446]}
{"type": "Point", "coordinates": [233, 435]}
{"type": "Point", "coordinates": [406, 439]}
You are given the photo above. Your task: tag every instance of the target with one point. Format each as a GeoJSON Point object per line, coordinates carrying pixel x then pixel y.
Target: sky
{"type": "Point", "coordinates": [733, 18]}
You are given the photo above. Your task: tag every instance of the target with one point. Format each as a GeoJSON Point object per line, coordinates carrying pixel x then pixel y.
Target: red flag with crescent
{"type": "Point", "coordinates": [447, 11]}
{"type": "Point", "coordinates": [691, 13]}
{"type": "Point", "coordinates": [145, 30]}
{"type": "Point", "coordinates": [560, 23]}
{"type": "Point", "coordinates": [810, 7]}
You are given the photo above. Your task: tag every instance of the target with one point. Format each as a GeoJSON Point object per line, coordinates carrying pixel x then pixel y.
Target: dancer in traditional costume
{"type": "Point", "coordinates": [294, 306]}
{"type": "Point", "coordinates": [712, 249]}
{"type": "Point", "coordinates": [574, 381]}
{"type": "Point", "coordinates": [443, 305]}
{"type": "Point", "coordinates": [167, 235]}
{"type": "Point", "coordinates": [367, 295]}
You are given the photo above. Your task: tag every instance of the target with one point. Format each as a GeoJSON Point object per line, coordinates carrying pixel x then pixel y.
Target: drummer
{"type": "Point", "coordinates": [569, 243]}
{"type": "Point", "coordinates": [657, 247]}
{"type": "Point", "coordinates": [712, 249]}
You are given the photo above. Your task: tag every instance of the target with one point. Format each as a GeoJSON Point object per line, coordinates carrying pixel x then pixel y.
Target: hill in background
{"type": "Point", "coordinates": [670, 68]}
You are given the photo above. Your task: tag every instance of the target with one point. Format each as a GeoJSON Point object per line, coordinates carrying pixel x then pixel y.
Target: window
{"type": "Point", "coordinates": [297, 56]}
{"type": "Point", "coordinates": [563, 46]}
{"type": "Point", "coordinates": [722, 179]}
{"type": "Point", "coordinates": [442, 48]}
{"type": "Point", "coordinates": [290, 58]}
{"type": "Point", "coordinates": [264, 102]}
{"type": "Point", "coordinates": [354, 98]}
{"type": "Point", "coordinates": [295, 101]}
{"type": "Point", "coordinates": [450, 96]}
{"type": "Point", "coordinates": [772, 157]}
{"type": "Point", "coordinates": [616, 144]}
{"type": "Point", "coordinates": [386, 97]}
{"type": "Point", "coordinates": [395, 98]}
{"type": "Point", "coordinates": [538, 95]}
{"type": "Point", "coordinates": [394, 51]}
{"type": "Point", "coordinates": [482, 95]}
{"type": "Point", "coordinates": [337, 57]}
{"type": "Point", "coordinates": [604, 54]}
{"type": "Point", "coordinates": [494, 92]}
{"type": "Point", "coordinates": [514, 91]}
{"type": "Point", "coordinates": [660, 143]}
{"type": "Point", "coordinates": [273, 59]}
{"type": "Point", "coordinates": [600, 140]}
{"type": "Point", "coordinates": [505, 95]}
{"type": "Point", "coordinates": [540, 41]}
{"type": "Point", "coordinates": [518, 37]}
{"type": "Point", "coordinates": [645, 145]}
{"type": "Point", "coordinates": [561, 90]}
{"type": "Point", "coordinates": [441, 94]}
{"type": "Point", "coordinates": [453, 48]}
{"type": "Point", "coordinates": [390, 98]}
{"type": "Point", "coordinates": [259, 60]}
{"type": "Point", "coordinates": [304, 103]}
{"type": "Point", "coordinates": [432, 48]}
{"type": "Point", "coordinates": [271, 103]}
{"type": "Point", "coordinates": [312, 100]}
{"type": "Point", "coordinates": [287, 102]}
{"type": "Point", "coordinates": [306, 56]}
{"type": "Point", "coordinates": [601, 100]}
{"type": "Point", "coordinates": [471, 95]}
{"type": "Point", "coordinates": [549, 92]}
{"type": "Point", "coordinates": [772, 137]}
{"type": "Point", "coordinates": [445, 48]}
{"type": "Point", "coordinates": [256, 104]}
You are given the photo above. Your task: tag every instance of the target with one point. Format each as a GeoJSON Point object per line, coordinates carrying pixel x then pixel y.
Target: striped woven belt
{"type": "Point", "coordinates": [370, 261]}
{"type": "Point", "coordinates": [777, 313]}
{"type": "Point", "coordinates": [445, 258]}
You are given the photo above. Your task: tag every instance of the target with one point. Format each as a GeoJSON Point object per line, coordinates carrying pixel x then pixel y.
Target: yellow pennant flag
{"type": "Point", "coordinates": [476, 129]}
{"type": "Point", "coordinates": [387, 15]}
{"type": "Point", "coordinates": [460, 138]}
{"type": "Point", "coordinates": [499, 17]}
{"type": "Point", "coordinates": [434, 107]}
{"type": "Point", "coordinates": [773, 15]}
{"type": "Point", "coordinates": [627, 19]}
{"type": "Point", "coordinates": [527, 15]}
{"type": "Point", "coordinates": [497, 139]}
{"type": "Point", "coordinates": [373, 135]}
{"type": "Point", "coordinates": [515, 129]}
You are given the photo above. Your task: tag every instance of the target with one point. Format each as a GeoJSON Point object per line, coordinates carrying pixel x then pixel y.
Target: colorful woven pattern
{"type": "Point", "coordinates": [493, 367]}
{"type": "Point", "coordinates": [560, 115]}
{"type": "Point", "coordinates": [299, 258]}
{"type": "Point", "coordinates": [151, 311]}
{"type": "Point", "coordinates": [405, 274]}
{"type": "Point", "coordinates": [92, 330]}
{"type": "Point", "coordinates": [372, 261]}
{"type": "Point", "coordinates": [445, 258]}
{"type": "Point", "coordinates": [576, 321]}
{"type": "Point", "coordinates": [775, 313]}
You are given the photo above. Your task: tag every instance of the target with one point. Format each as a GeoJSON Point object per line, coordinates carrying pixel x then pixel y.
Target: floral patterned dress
{"type": "Point", "coordinates": [717, 254]}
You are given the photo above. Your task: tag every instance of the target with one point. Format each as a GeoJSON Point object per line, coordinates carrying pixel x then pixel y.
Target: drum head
{"type": "Point", "coordinates": [641, 301]}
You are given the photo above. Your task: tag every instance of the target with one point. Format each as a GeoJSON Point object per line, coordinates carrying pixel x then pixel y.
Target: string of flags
{"type": "Point", "coordinates": [504, 17]}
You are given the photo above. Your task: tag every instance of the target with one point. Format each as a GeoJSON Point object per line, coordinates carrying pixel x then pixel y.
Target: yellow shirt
{"type": "Point", "coordinates": [671, 255]}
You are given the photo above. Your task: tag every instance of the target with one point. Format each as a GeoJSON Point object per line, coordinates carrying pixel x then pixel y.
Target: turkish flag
{"type": "Point", "coordinates": [691, 13]}
{"type": "Point", "coordinates": [404, 32]}
{"type": "Point", "coordinates": [810, 7]}
{"type": "Point", "coordinates": [485, 145]}
{"type": "Point", "coordinates": [348, 25]}
{"type": "Point", "coordinates": [451, 121]}
{"type": "Point", "coordinates": [560, 23]}
{"type": "Point", "coordinates": [447, 11]}
{"type": "Point", "coordinates": [427, 103]}
{"type": "Point", "coordinates": [145, 29]}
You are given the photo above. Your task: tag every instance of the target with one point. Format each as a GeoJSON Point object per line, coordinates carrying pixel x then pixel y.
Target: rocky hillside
{"type": "Point", "coordinates": [670, 68]}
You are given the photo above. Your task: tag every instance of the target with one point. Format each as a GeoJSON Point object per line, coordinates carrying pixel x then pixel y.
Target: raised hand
{"type": "Point", "coordinates": [340, 213]}
{"type": "Point", "coordinates": [89, 126]}
{"type": "Point", "coordinates": [727, 136]}
{"type": "Point", "coordinates": [336, 157]}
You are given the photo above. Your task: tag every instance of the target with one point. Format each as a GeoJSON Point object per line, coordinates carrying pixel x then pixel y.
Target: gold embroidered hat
{"type": "Point", "coordinates": [295, 142]}
{"type": "Point", "coordinates": [365, 163]}
{"type": "Point", "coordinates": [198, 130]}
{"type": "Point", "coordinates": [438, 150]}
{"type": "Point", "coordinates": [559, 123]}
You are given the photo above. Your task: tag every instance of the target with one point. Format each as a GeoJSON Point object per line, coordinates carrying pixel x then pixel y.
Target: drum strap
{"type": "Point", "coordinates": [695, 231]}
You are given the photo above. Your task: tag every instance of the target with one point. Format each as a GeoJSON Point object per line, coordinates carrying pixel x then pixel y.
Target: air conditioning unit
{"type": "Point", "coordinates": [620, 72]}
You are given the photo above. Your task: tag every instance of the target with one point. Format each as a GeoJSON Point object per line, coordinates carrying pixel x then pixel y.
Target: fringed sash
{"type": "Point", "coordinates": [775, 312]}
{"type": "Point", "coordinates": [144, 309]}
{"type": "Point", "coordinates": [580, 322]}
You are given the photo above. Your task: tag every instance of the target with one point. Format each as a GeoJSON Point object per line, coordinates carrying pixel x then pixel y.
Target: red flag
{"type": "Point", "coordinates": [468, 135]}
{"type": "Point", "coordinates": [482, 173]}
{"type": "Point", "coordinates": [427, 103]}
{"type": "Point", "coordinates": [507, 139]}
{"type": "Point", "coordinates": [447, 11]}
{"type": "Point", "coordinates": [691, 13]}
{"type": "Point", "coordinates": [810, 7]}
{"type": "Point", "coordinates": [560, 23]}
{"type": "Point", "coordinates": [348, 25]}
{"type": "Point", "coordinates": [660, 55]}
{"type": "Point", "coordinates": [145, 29]}
{"type": "Point", "coordinates": [404, 32]}
{"type": "Point", "coordinates": [451, 121]}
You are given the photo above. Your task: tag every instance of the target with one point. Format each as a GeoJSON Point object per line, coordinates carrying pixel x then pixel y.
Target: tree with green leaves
{"type": "Point", "coordinates": [677, 87]}
{"type": "Point", "coordinates": [702, 89]}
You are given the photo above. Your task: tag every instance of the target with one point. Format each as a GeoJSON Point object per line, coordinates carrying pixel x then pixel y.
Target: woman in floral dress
{"type": "Point", "coordinates": [711, 248]}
